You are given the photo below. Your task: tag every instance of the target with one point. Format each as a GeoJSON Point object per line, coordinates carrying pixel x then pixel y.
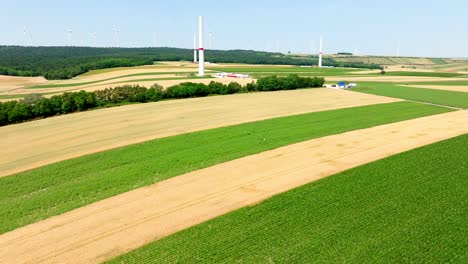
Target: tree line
{"type": "Point", "coordinates": [68, 62]}
{"type": "Point", "coordinates": [37, 107]}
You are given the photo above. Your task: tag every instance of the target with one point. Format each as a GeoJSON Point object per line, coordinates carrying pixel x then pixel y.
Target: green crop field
{"type": "Point", "coordinates": [444, 83]}
{"type": "Point", "coordinates": [13, 96]}
{"type": "Point", "coordinates": [54, 189]}
{"type": "Point", "coordinates": [441, 97]}
{"type": "Point", "coordinates": [424, 74]}
{"type": "Point", "coordinates": [285, 70]}
{"type": "Point", "coordinates": [438, 61]}
{"type": "Point", "coordinates": [408, 208]}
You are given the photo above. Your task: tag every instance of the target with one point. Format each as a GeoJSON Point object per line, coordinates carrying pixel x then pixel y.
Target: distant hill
{"type": "Point", "coordinates": [67, 62]}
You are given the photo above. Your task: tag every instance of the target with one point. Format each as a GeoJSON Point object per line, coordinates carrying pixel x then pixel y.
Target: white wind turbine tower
{"type": "Point", "coordinates": [25, 33]}
{"type": "Point", "coordinates": [398, 48]}
{"type": "Point", "coordinates": [155, 40]}
{"type": "Point", "coordinates": [93, 39]}
{"type": "Point", "coordinates": [210, 35]}
{"type": "Point", "coordinates": [321, 53]}
{"type": "Point", "coordinates": [69, 37]}
{"type": "Point", "coordinates": [312, 47]}
{"type": "Point", "coordinates": [201, 55]}
{"type": "Point", "coordinates": [116, 36]}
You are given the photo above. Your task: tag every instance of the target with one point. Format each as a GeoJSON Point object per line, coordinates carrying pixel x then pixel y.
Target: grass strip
{"type": "Point", "coordinates": [444, 83]}
{"type": "Point", "coordinates": [408, 208]}
{"type": "Point", "coordinates": [423, 74]}
{"type": "Point", "coordinates": [31, 196]}
{"type": "Point", "coordinates": [434, 96]}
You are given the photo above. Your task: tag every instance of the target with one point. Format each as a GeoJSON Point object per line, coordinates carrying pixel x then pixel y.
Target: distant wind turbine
{"type": "Point", "coordinates": [93, 37]}
{"type": "Point", "coordinates": [155, 40]}
{"type": "Point", "coordinates": [70, 36]}
{"type": "Point", "coordinates": [210, 35]}
{"type": "Point", "coordinates": [116, 36]}
{"type": "Point", "coordinates": [398, 48]}
{"type": "Point", "coordinates": [27, 37]}
{"type": "Point", "coordinates": [312, 47]}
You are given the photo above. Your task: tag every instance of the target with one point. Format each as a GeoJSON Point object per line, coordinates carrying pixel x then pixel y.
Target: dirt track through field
{"type": "Point", "coordinates": [34, 144]}
{"type": "Point", "coordinates": [119, 224]}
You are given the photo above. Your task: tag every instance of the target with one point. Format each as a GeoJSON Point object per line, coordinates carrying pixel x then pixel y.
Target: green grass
{"type": "Point", "coordinates": [438, 61]}
{"type": "Point", "coordinates": [424, 74]}
{"type": "Point", "coordinates": [408, 208]}
{"type": "Point", "coordinates": [441, 97]}
{"type": "Point", "coordinates": [13, 96]}
{"type": "Point", "coordinates": [51, 190]}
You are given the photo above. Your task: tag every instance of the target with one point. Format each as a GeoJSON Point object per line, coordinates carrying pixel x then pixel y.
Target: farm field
{"type": "Point", "coordinates": [442, 87]}
{"type": "Point", "coordinates": [171, 73]}
{"type": "Point", "coordinates": [445, 83]}
{"type": "Point", "coordinates": [139, 133]}
{"type": "Point", "coordinates": [424, 74]}
{"type": "Point", "coordinates": [389, 60]}
{"type": "Point", "coordinates": [11, 83]}
{"type": "Point", "coordinates": [441, 97]}
{"type": "Point", "coordinates": [23, 199]}
{"type": "Point", "coordinates": [413, 212]}
{"type": "Point", "coordinates": [217, 190]}
{"type": "Point", "coordinates": [34, 144]}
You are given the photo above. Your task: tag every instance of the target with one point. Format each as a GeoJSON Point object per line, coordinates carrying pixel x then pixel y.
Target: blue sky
{"type": "Point", "coordinates": [424, 28]}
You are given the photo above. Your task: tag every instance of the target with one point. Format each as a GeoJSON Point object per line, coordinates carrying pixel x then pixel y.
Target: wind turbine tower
{"type": "Point", "coordinates": [116, 36]}
{"type": "Point", "coordinates": [210, 35]}
{"type": "Point", "coordinates": [201, 49]}
{"type": "Point", "coordinates": [70, 37]}
{"type": "Point", "coordinates": [398, 48]}
{"type": "Point", "coordinates": [321, 52]}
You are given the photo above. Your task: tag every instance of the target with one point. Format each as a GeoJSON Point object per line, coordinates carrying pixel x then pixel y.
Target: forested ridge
{"type": "Point", "coordinates": [68, 62]}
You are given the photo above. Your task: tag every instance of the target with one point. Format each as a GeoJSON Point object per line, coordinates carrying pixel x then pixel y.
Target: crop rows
{"type": "Point", "coordinates": [51, 190]}
{"type": "Point", "coordinates": [409, 208]}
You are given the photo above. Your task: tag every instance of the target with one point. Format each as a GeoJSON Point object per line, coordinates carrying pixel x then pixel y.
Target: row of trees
{"type": "Point", "coordinates": [36, 106]}
{"type": "Point", "coordinates": [68, 62]}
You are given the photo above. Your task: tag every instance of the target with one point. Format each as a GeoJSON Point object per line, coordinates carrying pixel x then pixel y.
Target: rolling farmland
{"type": "Point", "coordinates": [143, 132]}
{"type": "Point", "coordinates": [158, 210]}
{"type": "Point", "coordinates": [24, 200]}
{"type": "Point", "coordinates": [413, 212]}
{"type": "Point", "coordinates": [50, 140]}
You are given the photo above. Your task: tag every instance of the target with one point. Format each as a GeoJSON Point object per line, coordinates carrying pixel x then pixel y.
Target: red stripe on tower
{"type": "Point", "coordinates": [201, 49]}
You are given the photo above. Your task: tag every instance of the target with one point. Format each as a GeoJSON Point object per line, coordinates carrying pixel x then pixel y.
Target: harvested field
{"type": "Point", "coordinates": [24, 200]}
{"type": "Point", "coordinates": [408, 208]}
{"type": "Point", "coordinates": [110, 227]}
{"type": "Point", "coordinates": [38, 143]}
{"type": "Point", "coordinates": [11, 83]}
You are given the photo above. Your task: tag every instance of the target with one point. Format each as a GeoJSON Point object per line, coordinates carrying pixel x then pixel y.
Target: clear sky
{"type": "Point", "coordinates": [424, 28]}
